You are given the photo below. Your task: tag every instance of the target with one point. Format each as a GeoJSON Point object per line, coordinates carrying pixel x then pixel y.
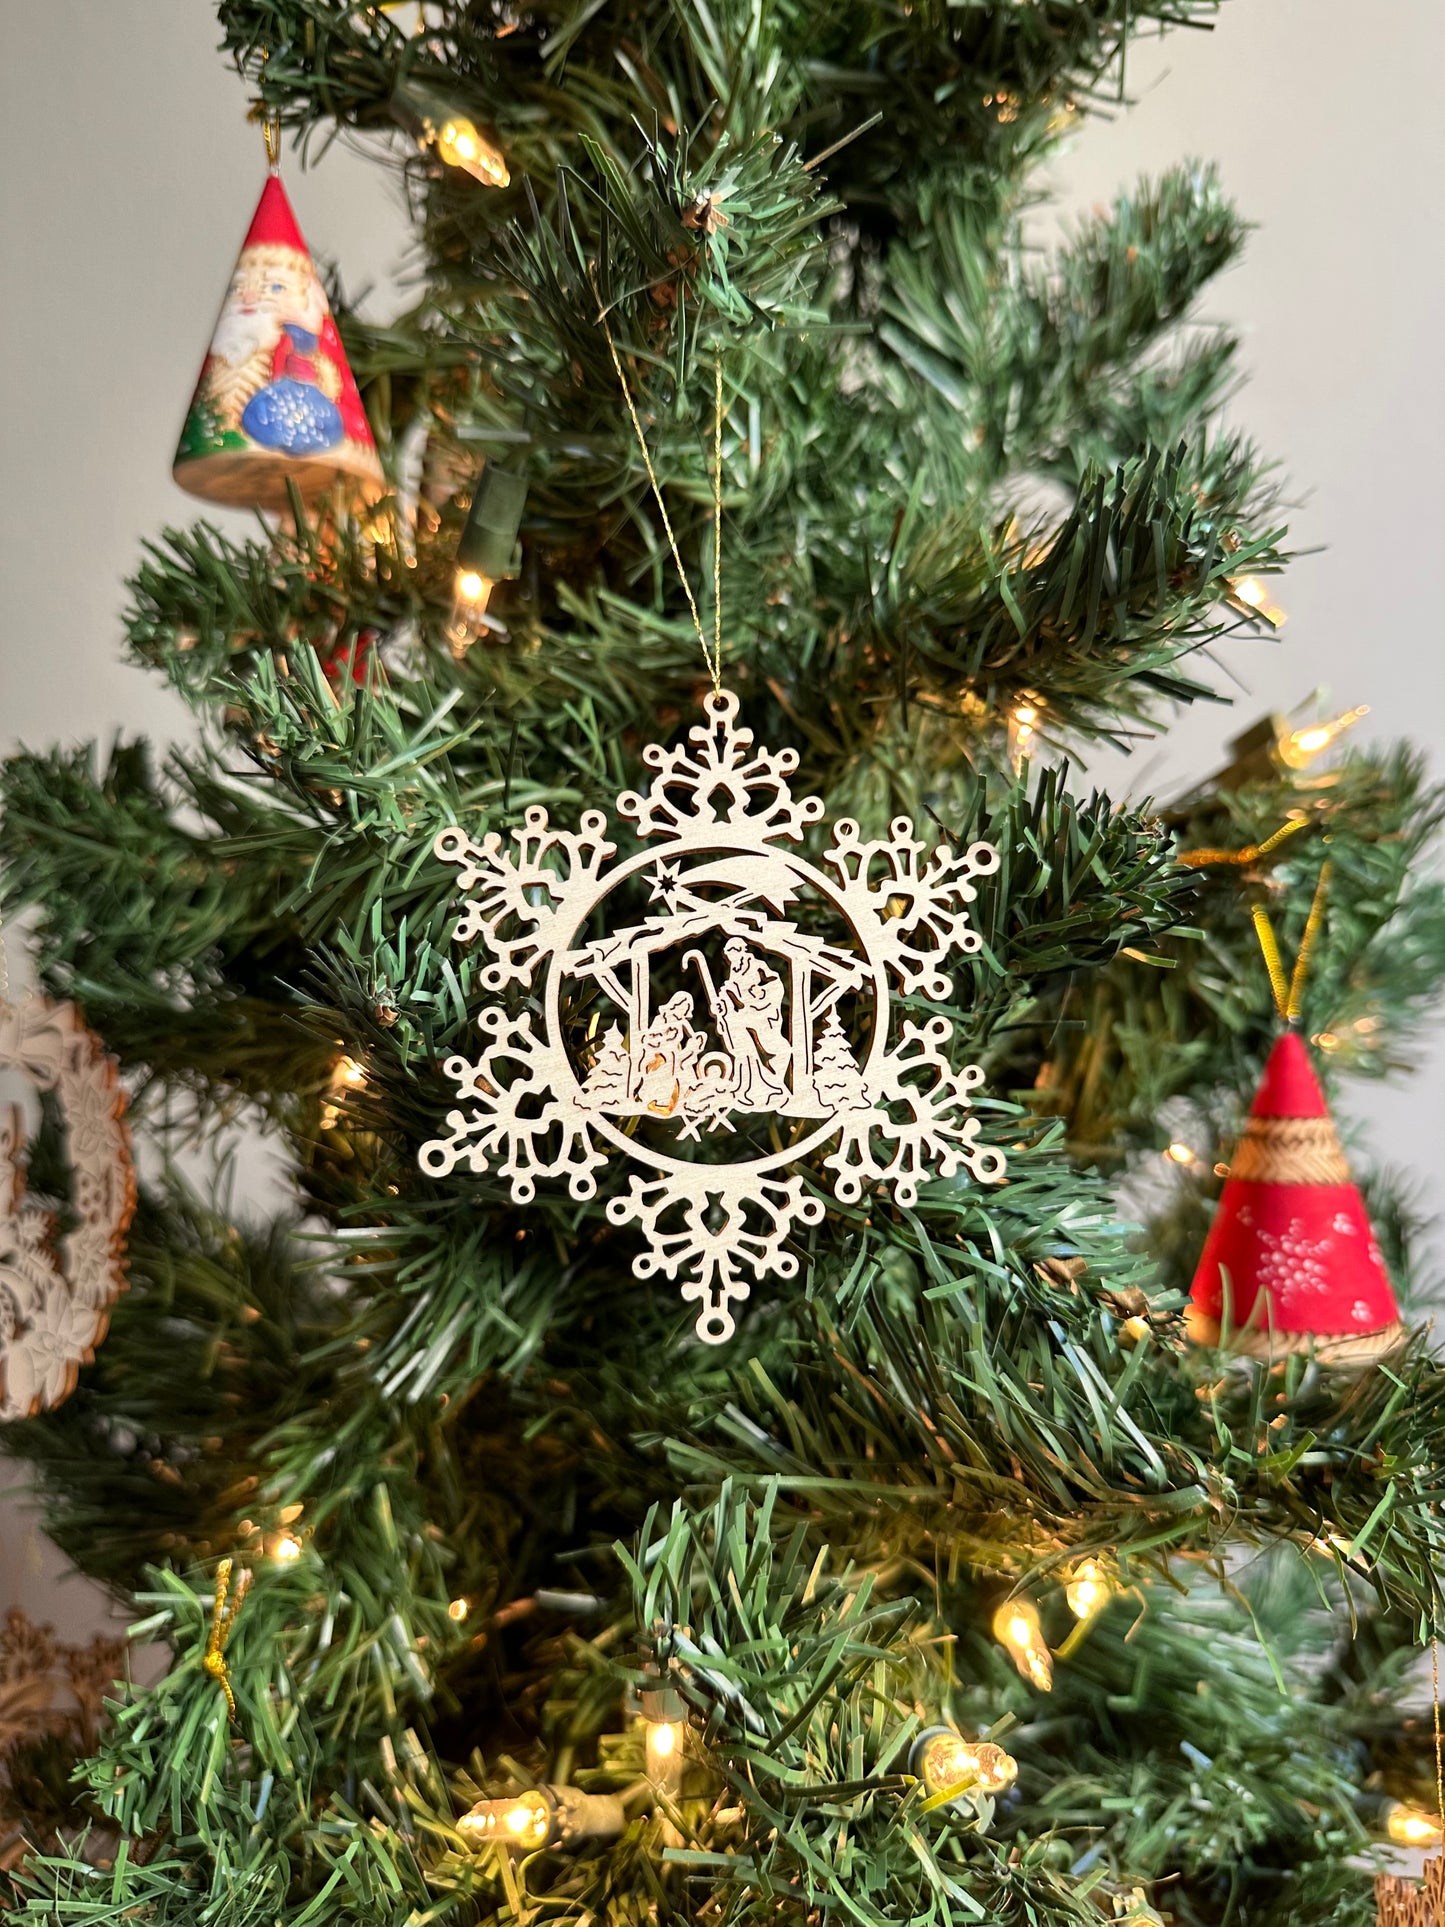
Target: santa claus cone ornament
{"type": "Point", "coordinates": [276, 401]}
{"type": "Point", "coordinates": [1291, 1263]}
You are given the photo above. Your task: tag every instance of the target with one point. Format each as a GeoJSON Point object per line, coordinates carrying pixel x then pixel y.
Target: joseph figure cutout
{"type": "Point", "coordinates": [749, 1016]}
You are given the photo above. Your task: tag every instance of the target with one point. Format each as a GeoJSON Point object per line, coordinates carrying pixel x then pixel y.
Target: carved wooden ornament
{"type": "Point", "coordinates": [715, 1009]}
{"type": "Point", "coordinates": [56, 1292]}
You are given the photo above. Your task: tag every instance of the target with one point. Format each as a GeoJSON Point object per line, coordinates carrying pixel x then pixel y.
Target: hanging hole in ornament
{"type": "Point", "coordinates": [987, 1164]}
{"type": "Point", "coordinates": [715, 1326]}
{"type": "Point", "coordinates": [451, 844]}
{"type": "Point", "coordinates": [437, 1159]}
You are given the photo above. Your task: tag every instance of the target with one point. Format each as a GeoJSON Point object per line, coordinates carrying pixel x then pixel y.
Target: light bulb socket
{"type": "Point", "coordinates": [488, 544]}
{"type": "Point", "coordinates": [662, 1706]}
{"type": "Point", "coordinates": [918, 1751]}
{"type": "Point", "coordinates": [421, 111]}
{"type": "Point", "coordinates": [578, 1818]}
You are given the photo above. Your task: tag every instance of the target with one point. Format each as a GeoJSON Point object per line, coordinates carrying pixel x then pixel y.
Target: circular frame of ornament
{"type": "Point", "coordinates": [56, 1292]}
{"type": "Point", "coordinates": [803, 873]}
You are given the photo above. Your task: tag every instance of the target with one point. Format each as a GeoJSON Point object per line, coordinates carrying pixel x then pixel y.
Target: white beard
{"type": "Point", "coordinates": [239, 336]}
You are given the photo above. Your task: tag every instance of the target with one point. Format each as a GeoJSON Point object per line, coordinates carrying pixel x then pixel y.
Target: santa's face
{"type": "Point", "coordinates": [272, 288]}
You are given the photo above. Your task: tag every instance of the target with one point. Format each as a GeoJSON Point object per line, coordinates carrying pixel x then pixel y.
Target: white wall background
{"type": "Point", "coordinates": [128, 173]}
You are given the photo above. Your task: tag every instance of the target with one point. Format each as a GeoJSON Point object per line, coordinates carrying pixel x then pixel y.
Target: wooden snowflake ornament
{"type": "Point", "coordinates": [56, 1293]}
{"type": "Point", "coordinates": [715, 1009]}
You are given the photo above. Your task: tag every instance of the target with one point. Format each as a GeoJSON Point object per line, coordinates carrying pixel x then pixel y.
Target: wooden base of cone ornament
{"type": "Point", "coordinates": [1291, 1263]}
{"type": "Point", "coordinates": [276, 404]}
{"type": "Point", "coordinates": [56, 1293]}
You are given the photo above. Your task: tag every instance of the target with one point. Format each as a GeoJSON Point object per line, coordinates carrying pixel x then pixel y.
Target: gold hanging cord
{"type": "Point", "coordinates": [269, 119]}
{"type": "Point", "coordinates": [711, 655]}
{"type": "Point", "coordinates": [1289, 992]}
{"type": "Point", "coordinates": [223, 1617]}
{"type": "Point", "coordinates": [1435, 1699]}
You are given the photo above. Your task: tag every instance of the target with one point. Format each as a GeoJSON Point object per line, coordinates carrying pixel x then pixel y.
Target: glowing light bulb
{"type": "Point", "coordinates": [523, 1823]}
{"type": "Point", "coordinates": [664, 1727]}
{"type": "Point", "coordinates": [285, 1546]}
{"type": "Point", "coordinates": [1411, 1826]}
{"type": "Point", "coordinates": [1022, 725]}
{"type": "Point", "coordinates": [948, 1763]}
{"type": "Point", "coordinates": [460, 145]}
{"type": "Point", "coordinates": [1297, 746]}
{"type": "Point", "coordinates": [1088, 1589]}
{"type": "Point", "coordinates": [347, 1075]}
{"type": "Point", "coordinates": [664, 1754]}
{"type": "Point", "coordinates": [1180, 1153]}
{"type": "Point", "coordinates": [1254, 594]}
{"type": "Point", "coordinates": [458, 1610]}
{"type": "Point", "coordinates": [664, 1738]}
{"type": "Point", "coordinates": [469, 610]}
{"type": "Point", "coordinates": [1016, 1628]}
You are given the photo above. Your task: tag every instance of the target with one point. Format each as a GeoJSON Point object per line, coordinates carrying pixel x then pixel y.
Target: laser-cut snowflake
{"type": "Point", "coordinates": [797, 1035]}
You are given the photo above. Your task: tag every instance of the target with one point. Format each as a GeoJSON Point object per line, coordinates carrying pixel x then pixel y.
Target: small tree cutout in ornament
{"type": "Point", "coordinates": [1291, 1263]}
{"type": "Point", "coordinates": [56, 1293]}
{"type": "Point", "coordinates": [747, 997]}
{"type": "Point", "coordinates": [836, 1076]}
{"type": "Point", "coordinates": [276, 402]}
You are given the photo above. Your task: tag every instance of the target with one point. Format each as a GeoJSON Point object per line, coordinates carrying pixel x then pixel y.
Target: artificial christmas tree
{"type": "Point", "coordinates": [958, 1585]}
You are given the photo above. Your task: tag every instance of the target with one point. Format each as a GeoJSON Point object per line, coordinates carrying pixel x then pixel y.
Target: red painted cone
{"type": "Point", "coordinates": [276, 401]}
{"type": "Point", "coordinates": [1291, 1257]}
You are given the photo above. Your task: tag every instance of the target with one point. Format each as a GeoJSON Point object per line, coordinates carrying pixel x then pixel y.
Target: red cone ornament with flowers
{"type": "Point", "coordinates": [1291, 1262]}
{"type": "Point", "coordinates": [276, 401]}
